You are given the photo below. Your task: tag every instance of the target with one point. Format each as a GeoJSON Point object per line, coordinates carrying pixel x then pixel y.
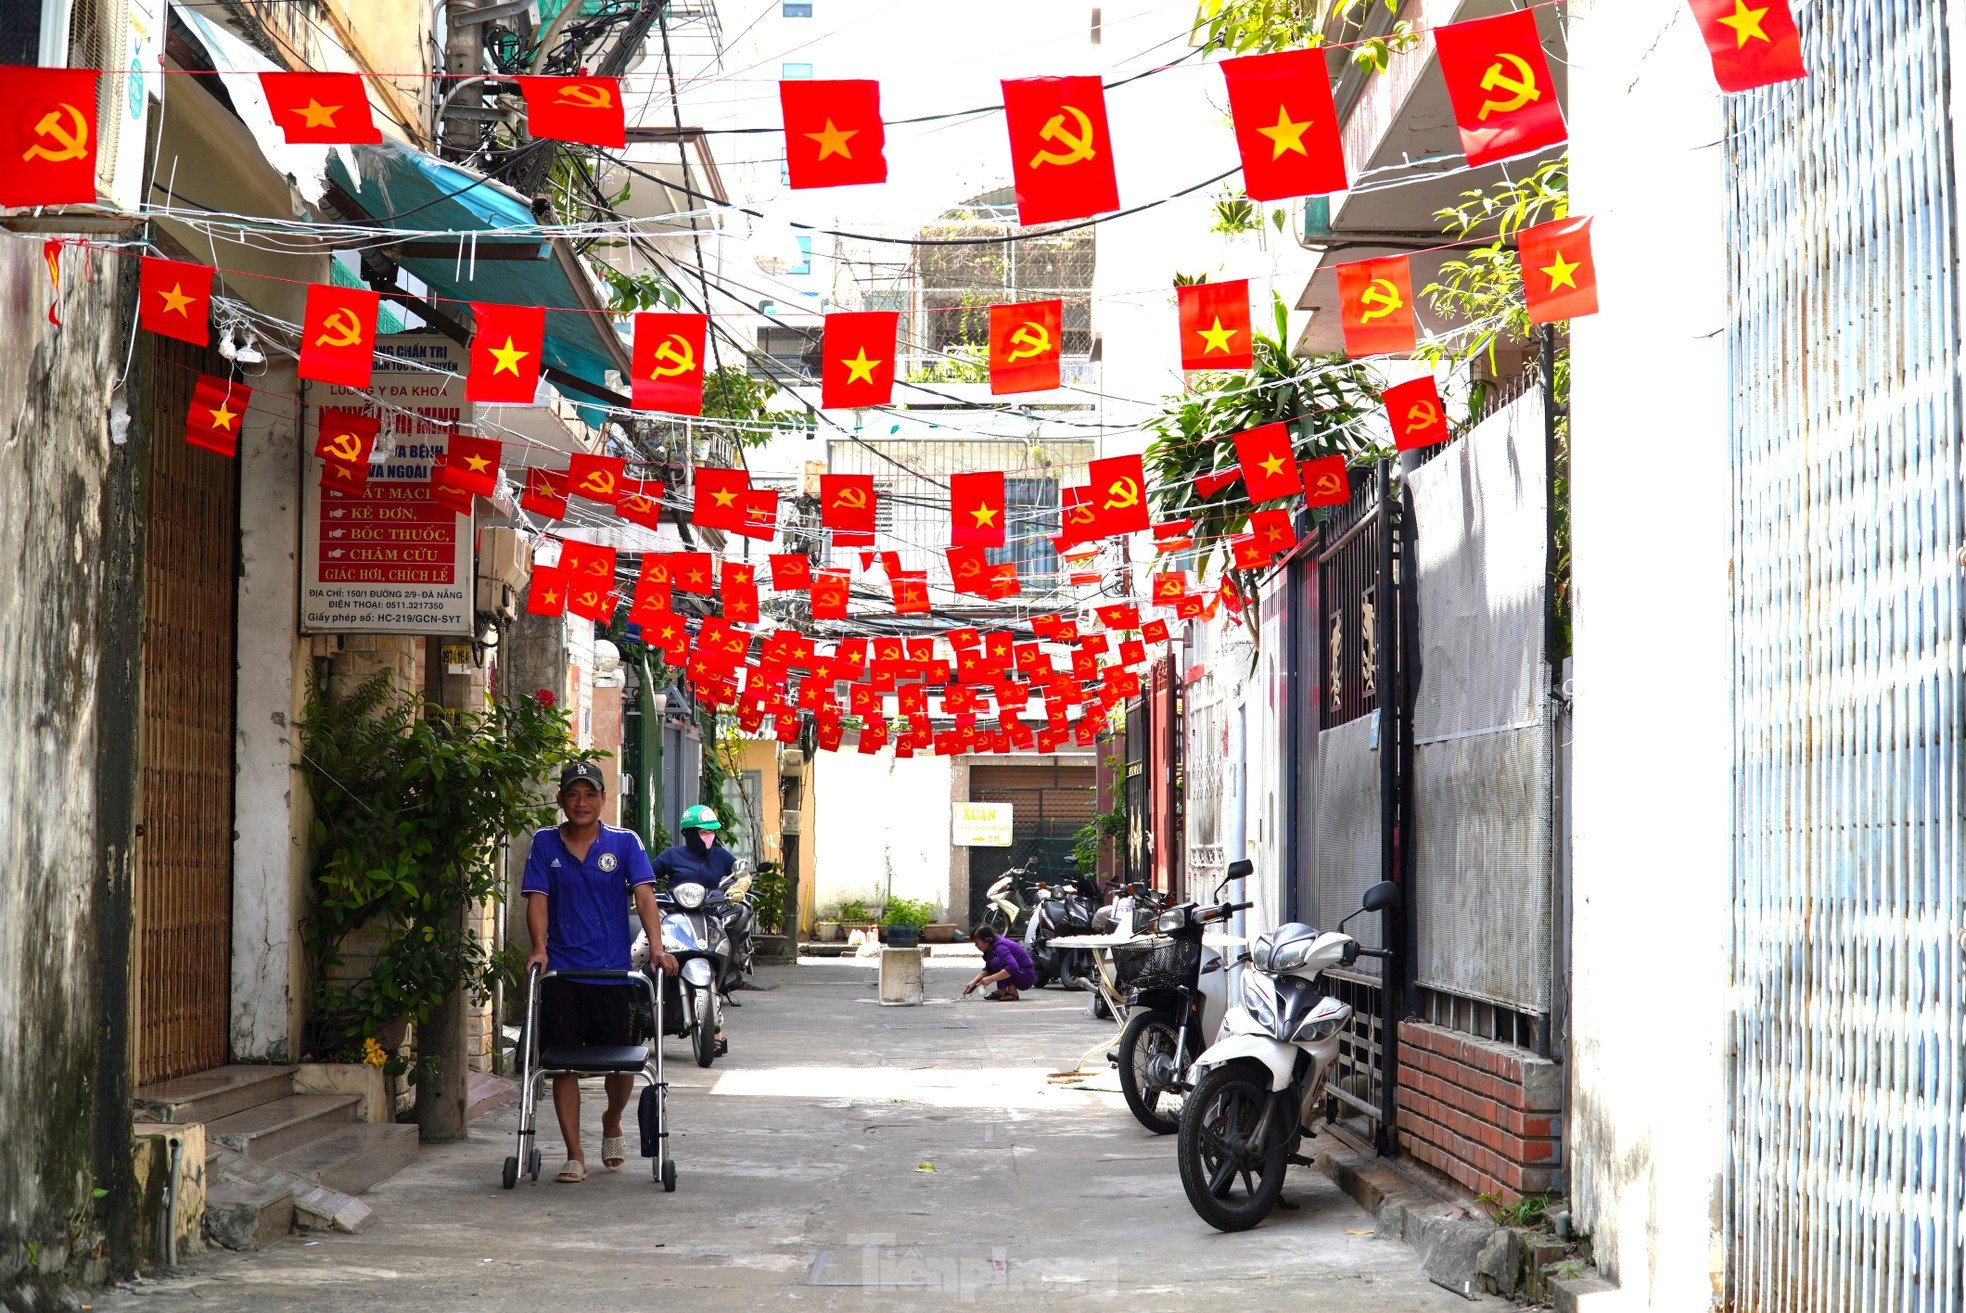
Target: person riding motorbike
{"type": "Point", "coordinates": [698, 859]}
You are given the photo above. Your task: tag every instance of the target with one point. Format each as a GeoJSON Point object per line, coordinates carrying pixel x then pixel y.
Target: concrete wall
{"type": "Point", "coordinates": [71, 588]}
{"type": "Point", "coordinates": [867, 813]}
{"type": "Point", "coordinates": [1652, 748]}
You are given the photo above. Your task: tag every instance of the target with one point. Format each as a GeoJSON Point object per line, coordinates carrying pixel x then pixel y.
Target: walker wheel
{"type": "Point", "coordinates": [669, 1176]}
{"type": "Point", "coordinates": [510, 1177]}
{"type": "Point", "coordinates": [532, 1164]}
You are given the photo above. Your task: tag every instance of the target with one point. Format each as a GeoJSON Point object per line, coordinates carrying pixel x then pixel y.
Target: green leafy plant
{"type": "Point", "coordinates": [1089, 840]}
{"type": "Point", "coordinates": [908, 911]}
{"type": "Point", "coordinates": [1249, 26]}
{"type": "Point", "coordinates": [411, 804]}
{"type": "Point", "coordinates": [853, 910]}
{"type": "Point", "coordinates": [768, 896]}
{"type": "Point", "coordinates": [1526, 1212]}
{"type": "Point", "coordinates": [964, 363]}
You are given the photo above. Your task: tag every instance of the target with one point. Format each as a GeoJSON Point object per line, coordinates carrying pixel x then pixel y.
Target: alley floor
{"type": "Point", "coordinates": [843, 1155]}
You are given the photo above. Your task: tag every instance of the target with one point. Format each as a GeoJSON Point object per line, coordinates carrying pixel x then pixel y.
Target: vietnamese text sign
{"type": "Point", "coordinates": [983, 824]}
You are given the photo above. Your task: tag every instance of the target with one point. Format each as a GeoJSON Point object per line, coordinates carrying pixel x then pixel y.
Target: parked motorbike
{"type": "Point", "coordinates": [1061, 909]}
{"type": "Point", "coordinates": [695, 932]}
{"type": "Point", "coordinates": [1257, 1089]}
{"type": "Point", "coordinates": [1002, 907]}
{"type": "Point", "coordinates": [1176, 988]}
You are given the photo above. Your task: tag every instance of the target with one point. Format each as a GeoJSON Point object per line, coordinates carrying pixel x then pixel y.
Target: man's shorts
{"type": "Point", "coordinates": [584, 1014]}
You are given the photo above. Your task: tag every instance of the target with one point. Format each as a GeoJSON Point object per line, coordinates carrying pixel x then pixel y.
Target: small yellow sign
{"type": "Point", "coordinates": [982, 824]}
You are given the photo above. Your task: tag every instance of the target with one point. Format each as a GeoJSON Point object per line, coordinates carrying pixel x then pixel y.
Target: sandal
{"type": "Point", "coordinates": [614, 1151]}
{"type": "Point", "coordinates": [573, 1173]}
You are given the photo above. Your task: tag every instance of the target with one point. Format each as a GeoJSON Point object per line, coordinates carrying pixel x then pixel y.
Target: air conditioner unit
{"type": "Point", "coordinates": [124, 39]}
{"type": "Point", "coordinates": [504, 555]}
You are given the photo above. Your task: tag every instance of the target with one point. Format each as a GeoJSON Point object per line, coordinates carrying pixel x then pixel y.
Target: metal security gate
{"type": "Point", "coordinates": [1049, 803]}
{"type": "Point", "coordinates": [182, 980]}
{"type": "Point", "coordinates": [1845, 1182]}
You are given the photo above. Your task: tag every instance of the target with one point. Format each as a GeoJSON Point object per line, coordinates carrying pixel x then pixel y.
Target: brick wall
{"type": "Point", "coordinates": [1485, 1114]}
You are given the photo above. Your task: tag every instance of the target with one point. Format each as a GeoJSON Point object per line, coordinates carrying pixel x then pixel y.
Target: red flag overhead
{"type": "Point", "coordinates": [1286, 127]}
{"type": "Point", "coordinates": [583, 109]}
{"type": "Point", "coordinates": [1207, 485]}
{"type": "Point", "coordinates": [1026, 339]}
{"type": "Point", "coordinates": [910, 594]}
{"type": "Point", "coordinates": [760, 514]}
{"type": "Point", "coordinates": [546, 592]}
{"type": "Point", "coordinates": [1417, 417]}
{"type": "Point", "coordinates": [720, 497]}
{"type": "Point", "coordinates": [857, 359]}
{"type": "Point", "coordinates": [690, 572]}
{"type": "Point", "coordinates": [1119, 495]}
{"type": "Point", "coordinates": [1499, 82]}
{"type": "Point", "coordinates": [1061, 156]}
{"type": "Point", "coordinates": [587, 564]}
{"type": "Point", "coordinates": [337, 337]}
{"type": "Point", "coordinates": [470, 465]}
{"type": "Point", "coordinates": [505, 349]}
{"type": "Point", "coordinates": [1559, 279]}
{"type": "Point", "coordinates": [976, 509]}
{"type": "Point", "coordinates": [545, 494]}
{"type": "Point", "coordinates": [321, 109]}
{"type": "Point", "coordinates": [641, 502]}
{"type": "Point", "coordinates": [590, 600]}
{"type": "Point", "coordinates": [218, 408]}
{"type": "Point", "coordinates": [829, 594]}
{"type": "Point", "coordinates": [833, 133]}
{"type": "Point", "coordinates": [1274, 529]}
{"type": "Point", "coordinates": [1325, 481]}
{"type": "Point", "coordinates": [1375, 299]}
{"type": "Point", "coordinates": [597, 478]}
{"type": "Point", "coordinates": [668, 362]}
{"type": "Point", "coordinates": [1269, 465]}
{"type": "Point", "coordinates": [790, 570]}
{"type": "Point", "coordinates": [846, 501]}
{"type": "Point", "coordinates": [47, 136]}
{"type": "Point", "coordinates": [1215, 326]}
{"type": "Point", "coordinates": [969, 571]}
{"type": "Point", "coordinates": [345, 441]}
{"type": "Point", "coordinates": [174, 299]}
{"type": "Point", "coordinates": [1752, 45]}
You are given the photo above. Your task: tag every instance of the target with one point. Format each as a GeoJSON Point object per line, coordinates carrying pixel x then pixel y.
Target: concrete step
{"type": "Point", "coordinates": [352, 1158]}
{"type": "Point", "coordinates": [312, 1206]}
{"type": "Point", "coordinates": [207, 1096]}
{"type": "Point", "coordinates": [248, 1214]}
{"type": "Point", "coordinates": [485, 1090]}
{"type": "Point", "coordinates": [271, 1129]}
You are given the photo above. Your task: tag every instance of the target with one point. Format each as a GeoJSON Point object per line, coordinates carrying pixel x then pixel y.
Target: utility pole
{"type": "Point", "coordinates": [441, 1096]}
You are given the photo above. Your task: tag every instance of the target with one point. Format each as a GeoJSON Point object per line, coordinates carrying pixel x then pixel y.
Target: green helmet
{"type": "Point", "coordinates": [700, 817]}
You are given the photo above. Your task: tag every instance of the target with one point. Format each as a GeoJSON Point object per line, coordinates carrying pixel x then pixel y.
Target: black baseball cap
{"type": "Point", "coordinates": [583, 772]}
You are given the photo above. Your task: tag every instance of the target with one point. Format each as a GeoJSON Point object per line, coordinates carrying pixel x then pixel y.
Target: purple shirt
{"type": "Point", "coordinates": [1006, 954]}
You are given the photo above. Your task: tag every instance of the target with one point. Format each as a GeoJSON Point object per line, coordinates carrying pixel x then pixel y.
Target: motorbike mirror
{"type": "Point", "coordinates": [1241, 870]}
{"type": "Point", "coordinates": [1381, 896]}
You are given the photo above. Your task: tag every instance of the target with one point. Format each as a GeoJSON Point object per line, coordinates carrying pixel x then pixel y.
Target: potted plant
{"type": "Point", "coordinates": [854, 916]}
{"type": "Point", "coordinates": [904, 919]}
{"type": "Point", "coordinates": [827, 927]}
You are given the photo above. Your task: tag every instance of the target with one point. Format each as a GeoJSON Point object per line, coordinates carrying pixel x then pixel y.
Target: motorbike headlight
{"type": "Point", "coordinates": [1315, 1029]}
{"type": "Point", "coordinates": [1259, 1000]}
{"type": "Point", "coordinates": [688, 895]}
{"type": "Point", "coordinates": [1174, 918]}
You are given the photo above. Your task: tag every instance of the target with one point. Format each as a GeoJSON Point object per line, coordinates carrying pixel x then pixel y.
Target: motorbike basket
{"type": "Point", "coordinates": [1157, 964]}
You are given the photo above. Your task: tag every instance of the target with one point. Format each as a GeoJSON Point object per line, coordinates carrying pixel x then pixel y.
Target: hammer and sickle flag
{"type": "Point", "coordinates": [583, 109]}
{"type": "Point", "coordinates": [1215, 325]}
{"type": "Point", "coordinates": [218, 411]}
{"type": "Point", "coordinates": [976, 509]}
{"type": "Point", "coordinates": [790, 571]}
{"type": "Point", "coordinates": [47, 136]}
{"type": "Point", "coordinates": [1500, 85]}
{"type": "Point", "coordinates": [506, 342]}
{"type": "Point", "coordinates": [174, 299]}
{"type": "Point", "coordinates": [1753, 43]}
{"type": "Point", "coordinates": [1417, 417]}
{"type": "Point", "coordinates": [1269, 463]}
{"type": "Point", "coordinates": [829, 594]}
{"type": "Point", "coordinates": [846, 501]}
{"type": "Point", "coordinates": [1559, 278]}
{"type": "Point", "coordinates": [321, 109]}
{"type": "Point", "coordinates": [1286, 126]}
{"type": "Point", "coordinates": [545, 494]}
{"type": "Point", "coordinates": [1326, 481]}
{"type": "Point", "coordinates": [720, 498]}
{"type": "Point", "coordinates": [1375, 306]}
{"type": "Point", "coordinates": [667, 362]}
{"type": "Point", "coordinates": [345, 439]}
{"type": "Point", "coordinates": [833, 133]}
{"type": "Point", "coordinates": [856, 354]}
{"type": "Point", "coordinates": [337, 336]}
{"type": "Point", "coordinates": [1061, 155]}
{"type": "Point", "coordinates": [597, 478]}
{"type": "Point", "coordinates": [641, 502]}
{"type": "Point", "coordinates": [1026, 340]}
{"type": "Point", "coordinates": [1118, 496]}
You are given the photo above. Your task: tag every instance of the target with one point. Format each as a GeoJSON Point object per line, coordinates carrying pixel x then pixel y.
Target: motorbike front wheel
{"type": "Point", "coordinates": [1149, 1066]}
{"type": "Point", "coordinates": [703, 1033]}
{"type": "Point", "coordinates": [1230, 1175]}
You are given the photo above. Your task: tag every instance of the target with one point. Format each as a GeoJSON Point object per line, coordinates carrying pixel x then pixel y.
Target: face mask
{"type": "Point", "coordinates": [694, 838]}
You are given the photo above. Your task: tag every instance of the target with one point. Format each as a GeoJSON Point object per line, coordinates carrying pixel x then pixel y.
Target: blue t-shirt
{"type": "Point", "coordinates": [587, 901]}
{"type": "Point", "coordinates": [678, 865]}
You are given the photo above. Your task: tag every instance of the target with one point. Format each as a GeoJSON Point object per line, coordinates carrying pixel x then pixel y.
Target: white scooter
{"type": "Point", "coordinates": [1001, 906]}
{"type": "Point", "coordinates": [1257, 1089]}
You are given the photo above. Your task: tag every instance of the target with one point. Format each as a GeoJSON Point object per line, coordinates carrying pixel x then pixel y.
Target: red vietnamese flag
{"type": "Point", "coordinates": [689, 572]}
{"type": "Point", "coordinates": [1207, 485]}
{"type": "Point", "coordinates": [1286, 126]}
{"type": "Point", "coordinates": [337, 336]}
{"type": "Point", "coordinates": [546, 591]}
{"type": "Point", "coordinates": [1269, 465]}
{"type": "Point", "coordinates": [597, 478]}
{"type": "Point", "coordinates": [910, 594]}
{"type": "Point", "coordinates": [48, 136]}
{"type": "Point", "coordinates": [1118, 496]}
{"type": "Point", "coordinates": [641, 502]}
{"type": "Point", "coordinates": [470, 465]}
{"type": "Point", "coordinates": [174, 299]}
{"type": "Point", "coordinates": [1274, 529]}
{"type": "Point", "coordinates": [583, 109]}
{"type": "Point", "coordinates": [790, 570]}
{"type": "Point", "coordinates": [667, 363]}
{"type": "Point", "coordinates": [1559, 278]}
{"type": "Point", "coordinates": [1215, 325]}
{"type": "Point", "coordinates": [506, 343]}
{"type": "Point", "coordinates": [720, 497]}
{"type": "Point", "coordinates": [545, 494]}
{"type": "Point", "coordinates": [1026, 341]}
{"type": "Point", "coordinates": [833, 133]}
{"type": "Point", "coordinates": [587, 564]}
{"type": "Point", "coordinates": [1061, 156]}
{"type": "Point", "coordinates": [1417, 417]}
{"type": "Point", "coordinates": [218, 409]}
{"type": "Point", "coordinates": [976, 509]}
{"type": "Point", "coordinates": [1499, 82]}
{"type": "Point", "coordinates": [846, 501]}
{"type": "Point", "coordinates": [1375, 306]}
{"type": "Point", "coordinates": [741, 604]}
{"type": "Point", "coordinates": [760, 514]}
{"type": "Point", "coordinates": [321, 109]}
{"type": "Point", "coordinates": [346, 438]}
{"type": "Point", "coordinates": [1753, 45]}
{"type": "Point", "coordinates": [857, 359]}
{"type": "Point", "coordinates": [1120, 615]}
{"type": "Point", "coordinates": [1326, 482]}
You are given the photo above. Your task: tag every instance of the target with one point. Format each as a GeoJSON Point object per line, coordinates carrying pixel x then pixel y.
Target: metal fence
{"type": "Point", "coordinates": [1845, 1179]}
